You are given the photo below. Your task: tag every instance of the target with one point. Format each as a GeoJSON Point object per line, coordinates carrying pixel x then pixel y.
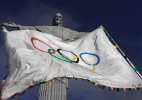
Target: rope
{"type": "Point", "coordinates": [122, 53]}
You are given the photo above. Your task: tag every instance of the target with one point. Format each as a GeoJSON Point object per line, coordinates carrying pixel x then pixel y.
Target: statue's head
{"type": "Point", "coordinates": [57, 20]}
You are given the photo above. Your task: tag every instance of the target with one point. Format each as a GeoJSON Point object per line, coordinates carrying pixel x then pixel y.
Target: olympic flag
{"type": "Point", "coordinates": [34, 58]}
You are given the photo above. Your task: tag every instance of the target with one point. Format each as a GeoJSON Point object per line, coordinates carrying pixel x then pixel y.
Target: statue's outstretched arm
{"type": "Point", "coordinates": [10, 24]}
{"type": "Point", "coordinates": [20, 27]}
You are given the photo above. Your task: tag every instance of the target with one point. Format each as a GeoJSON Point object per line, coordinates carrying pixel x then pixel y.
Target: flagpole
{"type": "Point", "coordinates": [125, 57]}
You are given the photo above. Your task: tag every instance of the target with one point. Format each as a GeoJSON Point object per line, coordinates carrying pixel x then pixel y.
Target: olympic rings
{"type": "Point", "coordinates": [75, 59]}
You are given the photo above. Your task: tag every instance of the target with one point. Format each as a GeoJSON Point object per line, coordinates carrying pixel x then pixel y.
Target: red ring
{"type": "Point", "coordinates": [32, 40]}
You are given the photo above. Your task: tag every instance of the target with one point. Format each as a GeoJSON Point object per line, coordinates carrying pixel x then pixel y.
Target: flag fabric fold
{"type": "Point", "coordinates": [35, 57]}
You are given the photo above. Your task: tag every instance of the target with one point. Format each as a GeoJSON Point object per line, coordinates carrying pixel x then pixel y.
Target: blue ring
{"type": "Point", "coordinates": [90, 54]}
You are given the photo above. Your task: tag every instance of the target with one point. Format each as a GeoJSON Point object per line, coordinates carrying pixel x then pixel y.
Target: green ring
{"type": "Point", "coordinates": [68, 60]}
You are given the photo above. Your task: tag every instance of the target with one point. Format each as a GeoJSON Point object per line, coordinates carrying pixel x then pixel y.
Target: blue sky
{"type": "Point", "coordinates": [121, 18]}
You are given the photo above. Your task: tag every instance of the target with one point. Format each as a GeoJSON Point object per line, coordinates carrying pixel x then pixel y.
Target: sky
{"type": "Point", "coordinates": [121, 18]}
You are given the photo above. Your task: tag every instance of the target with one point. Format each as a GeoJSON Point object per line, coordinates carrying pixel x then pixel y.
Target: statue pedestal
{"type": "Point", "coordinates": [54, 90]}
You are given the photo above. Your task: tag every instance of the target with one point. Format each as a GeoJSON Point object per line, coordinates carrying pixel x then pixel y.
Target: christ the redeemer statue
{"type": "Point", "coordinates": [56, 89]}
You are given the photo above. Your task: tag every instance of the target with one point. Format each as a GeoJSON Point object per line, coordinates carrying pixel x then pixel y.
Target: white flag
{"type": "Point", "coordinates": [35, 57]}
